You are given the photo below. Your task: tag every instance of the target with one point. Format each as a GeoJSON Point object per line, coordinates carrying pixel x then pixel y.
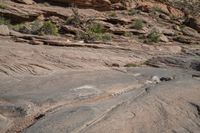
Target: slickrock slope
{"type": "Point", "coordinates": [98, 66]}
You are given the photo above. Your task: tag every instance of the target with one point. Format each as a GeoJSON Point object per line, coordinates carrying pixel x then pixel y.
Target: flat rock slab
{"type": "Point", "coordinates": [101, 101]}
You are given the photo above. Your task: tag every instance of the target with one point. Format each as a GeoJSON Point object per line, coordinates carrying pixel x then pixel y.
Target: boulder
{"type": "Point", "coordinates": [4, 30]}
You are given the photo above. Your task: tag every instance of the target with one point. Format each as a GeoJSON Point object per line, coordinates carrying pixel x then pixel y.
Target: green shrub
{"type": "Point", "coordinates": [138, 24]}
{"type": "Point", "coordinates": [154, 36]}
{"type": "Point", "coordinates": [95, 28]}
{"type": "Point", "coordinates": [4, 21]}
{"type": "Point", "coordinates": [94, 32]}
{"type": "Point", "coordinates": [49, 28]}
{"type": "Point", "coordinates": [97, 32]}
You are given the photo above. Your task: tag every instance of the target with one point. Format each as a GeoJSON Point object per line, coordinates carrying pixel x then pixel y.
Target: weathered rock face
{"type": "Point", "coordinates": [97, 4]}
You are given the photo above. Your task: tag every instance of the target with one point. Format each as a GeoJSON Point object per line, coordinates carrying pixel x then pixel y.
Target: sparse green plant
{"type": "Point", "coordinates": [153, 36]}
{"type": "Point", "coordinates": [128, 34]}
{"type": "Point", "coordinates": [49, 28]}
{"type": "Point", "coordinates": [138, 24]}
{"type": "Point", "coordinates": [112, 14]}
{"type": "Point", "coordinates": [132, 12]}
{"type": "Point", "coordinates": [182, 26]}
{"type": "Point", "coordinates": [2, 6]}
{"type": "Point", "coordinates": [95, 32]}
{"type": "Point", "coordinates": [4, 21]}
{"type": "Point", "coordinates": [74, 19]}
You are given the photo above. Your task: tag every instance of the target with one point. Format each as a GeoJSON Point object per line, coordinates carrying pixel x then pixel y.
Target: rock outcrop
{"type": "Point", "coordinates": [97, 4]}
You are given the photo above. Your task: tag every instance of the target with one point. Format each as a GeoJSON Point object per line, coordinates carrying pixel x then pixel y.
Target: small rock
{"type": "Point", "coordinates": [4, 30]}
{"type": "Point", "coordinates": [155, 79]}
{"type": "Point", "coordinates": [163, 38]}
{"type": "Point", "coordinates": [35, 42]}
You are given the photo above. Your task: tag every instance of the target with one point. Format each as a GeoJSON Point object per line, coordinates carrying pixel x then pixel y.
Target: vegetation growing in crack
{"type": "Point", "coordinates": [48, 28]}
{"type": "Point", "coordinates": [138, 24]}
{"type": "Point", "coordinates": [153, 36]}
{"type": "Point", "coordinates": [97, 32]}
{"type": "Point", "coordinates": [112, 14]}
{"type": "Point", "coordinates": [133, 12]}
{"type": "Point", "coordinates": [128, 34]}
